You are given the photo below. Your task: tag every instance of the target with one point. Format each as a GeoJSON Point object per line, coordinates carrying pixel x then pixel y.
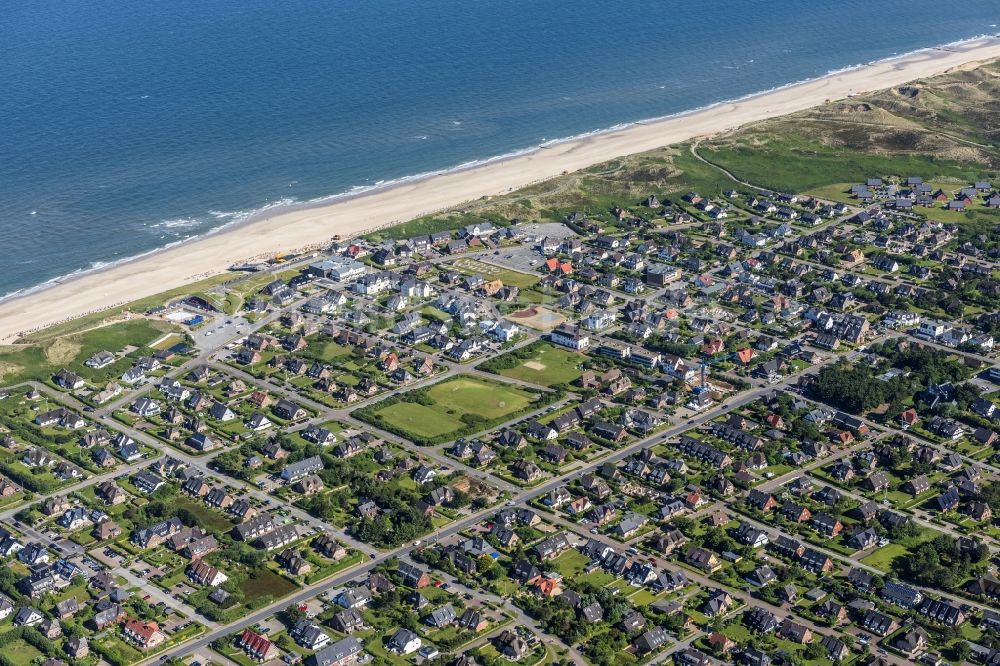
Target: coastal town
{"type": "Point", "coordinates": [748, 427]}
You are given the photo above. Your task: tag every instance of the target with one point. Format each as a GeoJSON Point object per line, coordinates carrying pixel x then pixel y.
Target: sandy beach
{"type": "Point", "coordinates": [294, 229]}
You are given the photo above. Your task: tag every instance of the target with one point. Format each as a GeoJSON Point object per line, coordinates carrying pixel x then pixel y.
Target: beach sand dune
{"type": "Point", "coordinates": [294, 229]}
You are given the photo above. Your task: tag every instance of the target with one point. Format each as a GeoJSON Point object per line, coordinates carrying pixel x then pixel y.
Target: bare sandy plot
{"type": "Point", "coordinates": [535, 365]}
{"type": "Point", "coordinates": [538, 318]}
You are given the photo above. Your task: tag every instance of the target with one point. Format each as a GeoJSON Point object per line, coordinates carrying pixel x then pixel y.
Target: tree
{"type": "Point", "coordinates": [485, 564]}
{"type": "Point", "coordinates": [852, 388]}
{"type": "Point", "coordinates": [903, 531]}
{"type": "Point", "coordinates": [460, 500]}
{"type": "Point", "coordinates": [291, 615]}
{"type": "Point", "coordinates": [938, 563]}
{"type": "Point", "coordinates": [815, 650]}
{"type": "Point", "coordinates": [962, 651]}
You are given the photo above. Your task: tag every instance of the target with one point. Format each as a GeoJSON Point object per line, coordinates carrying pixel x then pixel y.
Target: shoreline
{"type": "Point", "coordinates": [297, 225]}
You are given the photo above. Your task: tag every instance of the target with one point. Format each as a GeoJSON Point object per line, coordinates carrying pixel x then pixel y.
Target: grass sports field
{"type": "Point", "coordinates": [471, 395]}
{"type": "Point", "coordinates": [440, 411]}
{"type": "Point", "coordinates": [546, 366]}
{"type": "Point", "coordinates": [419, 419]}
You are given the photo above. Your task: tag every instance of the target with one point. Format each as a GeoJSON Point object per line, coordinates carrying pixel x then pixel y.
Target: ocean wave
{"type": "Point", "coordinates": [227, 219]}
{"type": "Point", "coordinates": [230, 217]}
{"type": "Point", "coordinates": [179, 223]}
{"type": "Point", "coordinates": [93, 267]}
{"type": "Point", "coordinates": [767, 91]}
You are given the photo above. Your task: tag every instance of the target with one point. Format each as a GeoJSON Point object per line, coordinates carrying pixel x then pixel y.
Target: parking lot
{"type": "Point", "coordinates": [519, 258]}
{"type": "Point", "coordinates": [217, 330]}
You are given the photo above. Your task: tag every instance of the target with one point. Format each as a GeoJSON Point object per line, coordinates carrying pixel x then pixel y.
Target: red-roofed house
{"type": "Point", "coordinates": [721, 643]}
{"type": "Point", "coordinates": [355, 251]}
{"type": "Point", "coordinates": [260, 399]}
{"type": "Point", "coordinates": [908, 418]}
{"type": "Point", "coordinates": [553, 265]}
{"type": "Point", "coordinates": [144, 635]}
{"type": "Point", "coordinates": [256, 646]}
{"type": "Point", "coordinates": [745, 355]}
{"type": "Point", "coordinates": [547, 587]}
{"type": "Point", "coordinates": [694, 500]}
{"type": "Point", "coordinates": [713, 346]}
{"type": "Point", "coordinates": [845, 437]}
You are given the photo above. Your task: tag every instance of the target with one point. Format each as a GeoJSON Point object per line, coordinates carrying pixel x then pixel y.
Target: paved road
{"type": "Point", "coordinates": [228, 333]}
{"type": "Point", "coordinates": [524, 497]}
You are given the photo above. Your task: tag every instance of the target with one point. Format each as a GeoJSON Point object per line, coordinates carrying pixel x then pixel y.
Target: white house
{"type": "Point", "coordinates": [6, 607]}
{"type": "Point", "coordinates": [931, 330]}
{"type": "Point", "coordinates": [404, 641]}
{"type": "Point", "coordinates": [600, 320]}
{"type": "Point", "coordinates": [133, 375]}
{"type": "Point", "coordinates": [101, 359]}
{"type": "Point", "coordinates": [505, 331]}
{"type": "Point", "coordinates": [571, 337]}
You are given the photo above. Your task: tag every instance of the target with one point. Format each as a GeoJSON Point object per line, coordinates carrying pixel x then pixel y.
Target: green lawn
{"type": "Point", "coordinates": [546, 366]}
{"type": "Point", "coordinates": [471, 395]}
{"type": "Point", "coordinates": [21, 652]}
{"type": "Point", "coordinates": [643, 597]}
{"type": "Point", "coordinates": [116, 650]}
{"type": "Point", "coordinates": [789, 157]}
{"type": "Point", "coordinates": [206, 516]}
{"type": "Point", "coordinates": [452, 407]}
{"type": "Point", "coordinates": [882, 558]}
{"type": "Point", "coordinates": [419, 420]}
{"type": "Point", "coordinates": [40, 361]}
{"type": "Point", "coordinates": [597, 577]}
{"type": "Point", "coordinates": [235, 654]}
{"type": "Point", "coordinates": [334, 567]}
{"type": "Point", "coordinates": [491, 272]}
{"type": "Point", "coordinates": [382, 656]}
{"type": "Point", "coordinates": [331, 350]}
{"type": "Point", "coordinates": [433, 313]}
{"type": "Point", "coordinates": [571, 563]}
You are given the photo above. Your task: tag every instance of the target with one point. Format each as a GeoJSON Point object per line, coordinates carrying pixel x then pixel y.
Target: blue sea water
{"type": "Point", "coordinates": [126, 126]}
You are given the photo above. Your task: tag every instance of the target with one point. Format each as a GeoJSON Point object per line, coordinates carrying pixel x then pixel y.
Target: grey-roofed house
{"type": "Point", "coordinates": [347, 621]}
{"type": "Point", "coordinates": [403, 641]}
{"type": "Point", "coordinates": [297, 470]}
{"type": "Point", "coordinates": [309, 635]}
{"type": "Point", "coordinates": [441, 617]}
{"type": "Point", "coordinates": [337, 654]}
{"type": "Point", "coordinates": [652, 640]}
{"type": "Point", "coordinates": [901, 595]}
